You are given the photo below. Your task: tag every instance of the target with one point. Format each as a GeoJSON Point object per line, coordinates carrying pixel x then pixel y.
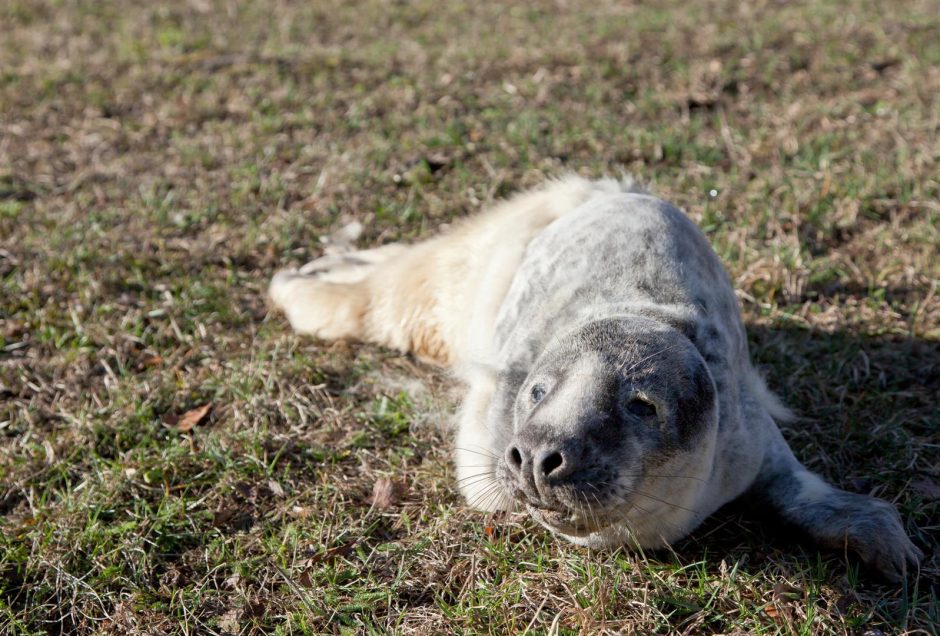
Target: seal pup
{"type": "Point", "coordinates": [610, 390]}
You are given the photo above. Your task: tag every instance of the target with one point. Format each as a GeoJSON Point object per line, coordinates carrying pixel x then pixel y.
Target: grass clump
{"type": "Point", "coordinates": [158, 163]}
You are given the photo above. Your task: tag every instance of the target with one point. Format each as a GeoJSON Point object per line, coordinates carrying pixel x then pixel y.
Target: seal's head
{"type": "Point", "coordinates": [614, 435]}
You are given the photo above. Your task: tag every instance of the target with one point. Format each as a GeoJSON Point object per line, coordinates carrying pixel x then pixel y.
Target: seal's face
{"type": "Point", "coordinates": [613, 431]}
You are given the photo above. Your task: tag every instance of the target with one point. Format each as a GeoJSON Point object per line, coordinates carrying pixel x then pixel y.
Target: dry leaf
{"type": "Point", "coordinates": [845, 603]}
{"type": "Point", "coordinates": [230, 516]}
{"type": "Point", "coordinates": [232, 582]}
{"type": "Point", "coordinates": [13, 329]}
{"type": "Point", "coordinates": [331, 554]}
{"type": "Point", "coordinates": [191, 418]}
{"type": "Point", "coordinates": [173, 578]}
{"type": "Point", "coordinates": [276, 488]}
{"type": "Point", "coordinates": [386, 493]}
{"type": "Point", "coordinates": [489, 531]}
{"type": "Point", "coordinates": [149, 361]}
{"type": "Point", "coordinates": [222, 516]}
{"type": "Point", "coordinates": [784, 592]}
{"type": "Point", "coordinates": [245, 490]}
{"type": "Point", "coordinates": [861, 485]}
{"type": "Point", "coordinates": [256, 609]}
{"type": "Point", "coordinates": [229, 620]}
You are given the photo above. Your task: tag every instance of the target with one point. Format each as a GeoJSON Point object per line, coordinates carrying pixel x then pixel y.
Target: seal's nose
{"type": "Point", "coordinates": [538, 469]}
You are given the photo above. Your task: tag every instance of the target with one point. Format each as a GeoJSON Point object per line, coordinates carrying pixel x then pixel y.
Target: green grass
{"type": "Point", "coordinates": [159, 163]}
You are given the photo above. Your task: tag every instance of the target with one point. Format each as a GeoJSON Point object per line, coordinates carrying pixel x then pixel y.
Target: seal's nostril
{"type": "Point", "coordinates": [515, 458]}
{"type": "Point", "coordinates": [552, 462]}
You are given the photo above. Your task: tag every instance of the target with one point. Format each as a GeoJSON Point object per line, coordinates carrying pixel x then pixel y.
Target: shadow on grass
{"type": "Point", "coordinates": [869, 424]}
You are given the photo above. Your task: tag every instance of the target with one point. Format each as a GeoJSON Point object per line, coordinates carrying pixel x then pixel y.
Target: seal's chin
{"type": "Point", "coordinates": [567, 522]}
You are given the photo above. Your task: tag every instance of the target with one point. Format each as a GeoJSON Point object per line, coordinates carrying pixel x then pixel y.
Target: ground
{"type": "Point", "coordinates": [158, 162]}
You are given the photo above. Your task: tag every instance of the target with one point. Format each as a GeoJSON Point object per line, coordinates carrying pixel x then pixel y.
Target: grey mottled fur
{"type": "Point", "coordinates": [629, 282]}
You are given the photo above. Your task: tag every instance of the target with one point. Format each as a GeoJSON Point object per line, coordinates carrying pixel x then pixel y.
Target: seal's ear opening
{"type": "Point", "coordinates": [696, 402]}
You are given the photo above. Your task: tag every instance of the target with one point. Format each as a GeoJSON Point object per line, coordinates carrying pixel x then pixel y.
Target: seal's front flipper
{"type": "Point", "coordinates": [836, 519]}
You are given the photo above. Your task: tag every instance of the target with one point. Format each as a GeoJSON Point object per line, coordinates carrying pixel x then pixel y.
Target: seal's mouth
{"type": "Point", "coordinates": [565, 521]}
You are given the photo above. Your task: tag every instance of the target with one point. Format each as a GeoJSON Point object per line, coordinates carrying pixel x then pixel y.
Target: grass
{"type": "Point", "coordinates": [159, 163]}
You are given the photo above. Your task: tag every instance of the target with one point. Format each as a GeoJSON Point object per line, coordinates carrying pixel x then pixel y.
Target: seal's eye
{"type": "Point", "coordinates": [640, 407]}
{"type": "Point", "coordinates": [537, 393]}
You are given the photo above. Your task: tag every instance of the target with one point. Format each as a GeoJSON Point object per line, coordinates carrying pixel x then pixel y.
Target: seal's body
{"type": "Point", "coordinates": [610, 388]}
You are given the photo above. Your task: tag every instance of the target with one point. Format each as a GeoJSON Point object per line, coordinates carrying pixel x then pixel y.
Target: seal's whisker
{"type": "Point", "coordinates": [661, 476]}
{"type": "Point", "coordinates": [496, 496]}
{"type": "Point", "coordinates": [623, 514]}
{"type": "Point", "coordinates": [586, 510]}
{"type": "Point", "coordinates": [487, 474]}
{"type": "Point", "coordinates": [583, 510]}
{"type": "Point", "coordinates": [485, 493]}
{"type": "Point", "coordinates": [477, 498]}
{"type": "Point", "coordinates": [644, 359]}
{"type": "Point", "coordinates": [662, 501]}
{"type": "Point", "coordinates": [474, 480]}
{"type": "Point", "coordinates": [594, 512]}
{"type": "Point", "coordinates": [649, 496]}
{"type": "Point", "coordinates": [484, 454]}
{"type": "Point", "coordinates": [621, 499]}
{"type": "Point", "coordinates": [477, 481]}
{"type": "Point", "coordinates": [501, 499]}
{"type": "Point", "coordinates": [484, 496]}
